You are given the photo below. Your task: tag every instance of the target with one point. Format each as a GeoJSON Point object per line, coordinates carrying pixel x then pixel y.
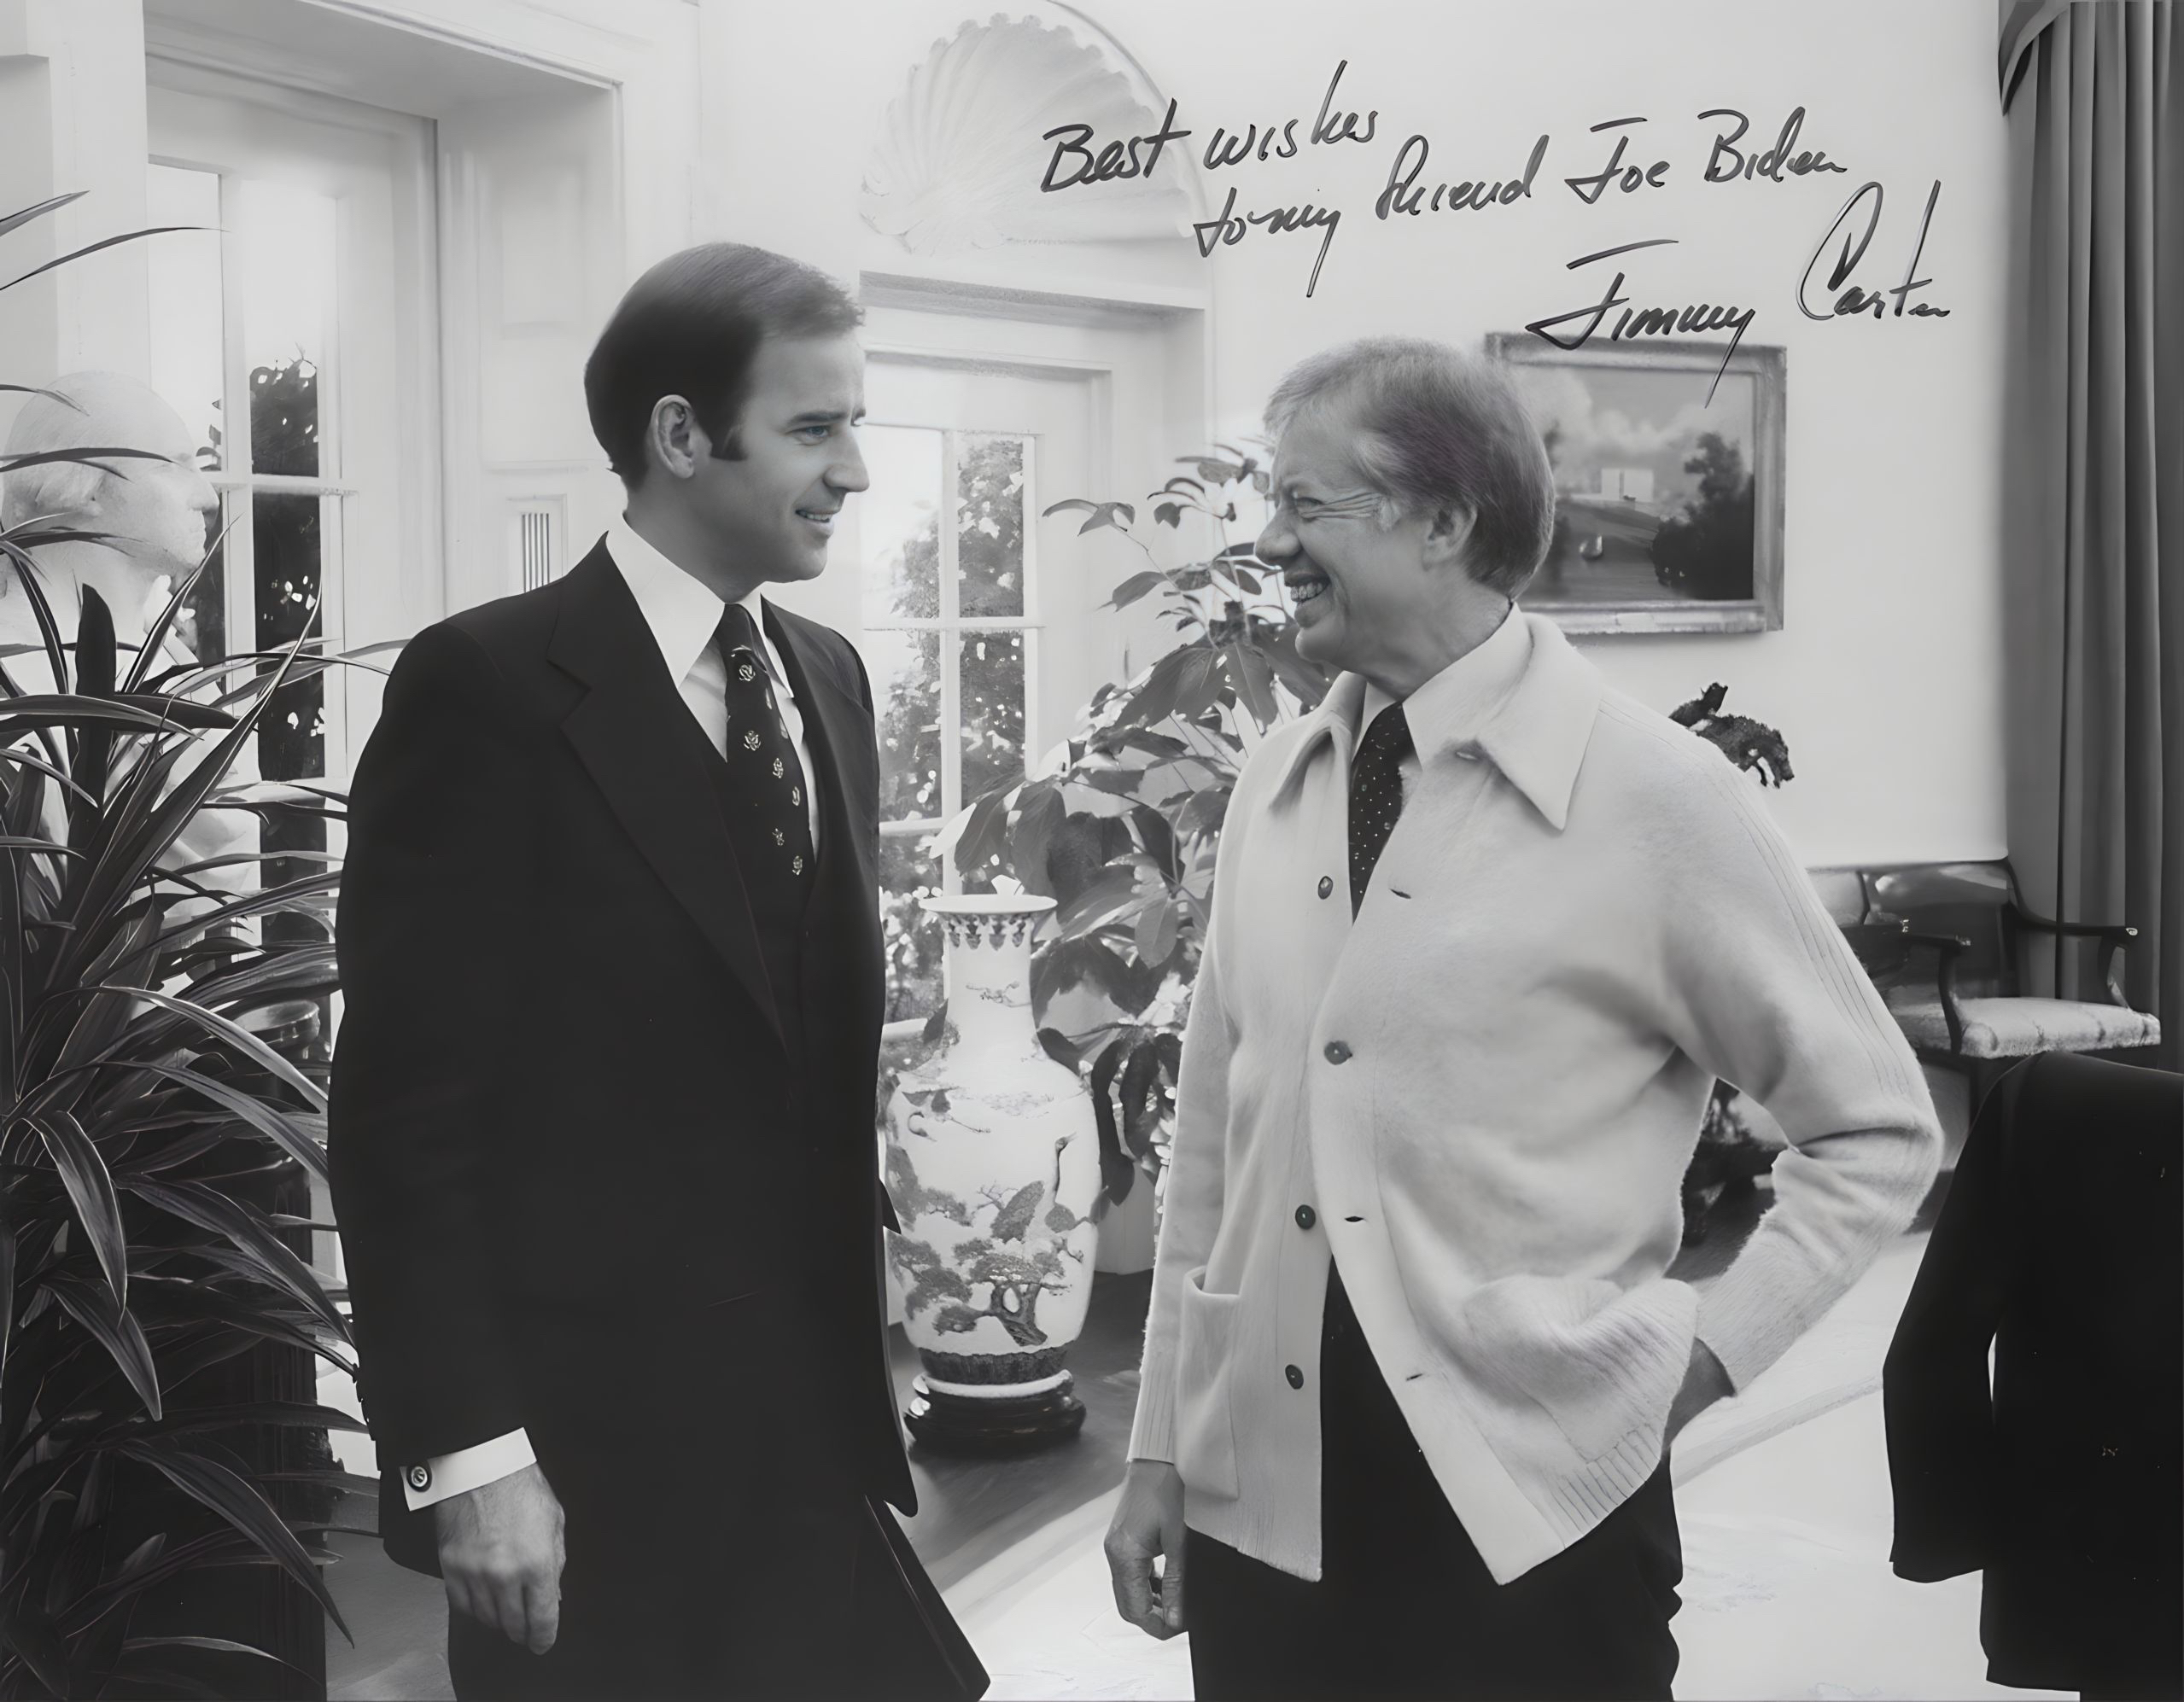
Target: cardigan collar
{"type": "Point", "coordinates": [1537, 737]}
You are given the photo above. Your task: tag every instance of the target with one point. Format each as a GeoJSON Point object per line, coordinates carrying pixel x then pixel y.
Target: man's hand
{"type": "Point", "coordinates": [500, 1556]}
{"type": "Point", "coordinates": [1705, 1382]}
{"type": "Point", "coordinates": [1148, 1522]}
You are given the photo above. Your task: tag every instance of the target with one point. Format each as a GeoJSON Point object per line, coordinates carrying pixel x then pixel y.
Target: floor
{"type": "Point", "coordinates": [1782, 1495]}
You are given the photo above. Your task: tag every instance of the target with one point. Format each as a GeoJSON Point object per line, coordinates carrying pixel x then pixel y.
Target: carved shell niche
{"type": "Point", "coordinates": [959, 157]}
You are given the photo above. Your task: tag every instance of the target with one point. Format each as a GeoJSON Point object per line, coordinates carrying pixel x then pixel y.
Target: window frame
{"type": "Point", "coordinates": [383, 513]}
{"type": "Point", "coordinates": [952, 626]}
{"type": "Point", "coordinates": [239, 483]}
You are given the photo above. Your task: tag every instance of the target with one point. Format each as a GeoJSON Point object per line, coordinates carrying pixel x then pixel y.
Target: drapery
{"type": "Point", "coordinates": [2095, 442]}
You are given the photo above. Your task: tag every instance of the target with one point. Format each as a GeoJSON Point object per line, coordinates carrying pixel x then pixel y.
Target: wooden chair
{"type": "Point", "coordinates": [1950, 969]}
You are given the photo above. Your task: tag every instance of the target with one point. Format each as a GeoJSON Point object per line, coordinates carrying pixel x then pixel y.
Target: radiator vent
{"type": "Point", "coordinates": [539, 527]}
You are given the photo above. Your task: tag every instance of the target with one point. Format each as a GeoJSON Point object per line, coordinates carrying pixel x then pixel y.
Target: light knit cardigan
{"type": "Point", "coordinates": [1484, 1092]}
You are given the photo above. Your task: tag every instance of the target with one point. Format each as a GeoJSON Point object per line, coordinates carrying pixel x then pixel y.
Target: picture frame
{"type": "Point", "coordinates": [1668, 459]}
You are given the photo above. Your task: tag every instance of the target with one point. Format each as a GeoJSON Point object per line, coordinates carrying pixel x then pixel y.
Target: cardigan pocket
{"type": "Point", "coordinates": [1602, 1362]}
{"type": "Point", "coordinates": [1205, 1435]}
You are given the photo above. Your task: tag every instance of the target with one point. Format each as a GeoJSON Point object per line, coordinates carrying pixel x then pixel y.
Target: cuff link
{"type": "Point", "coordinates": [419, 1478]}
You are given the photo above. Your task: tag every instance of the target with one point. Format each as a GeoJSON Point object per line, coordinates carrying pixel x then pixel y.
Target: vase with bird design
{"type": "Point", "coordinates": [992, 1165]}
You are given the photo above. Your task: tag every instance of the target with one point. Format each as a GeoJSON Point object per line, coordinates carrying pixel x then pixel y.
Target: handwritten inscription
{"type": "Point", "coordinates": [1728, 161]}
{"type": "Point", "coordinates": [1139, 156]}
{"type": "Point", "coordinates": [1684, 320]}
{"type": "Point", "coordinates": [1831, 288]}
{"type": "Point", "coordinates": [1404, 194]}
{"type": "Point", "coordinates": [1228, 227]}
{"type": "Point", "coordinates": [1279, 140]}
{"type": "Point", "coordinates": [1855, 299]}
{"type": "Point", "coordinates": [1628, 178]}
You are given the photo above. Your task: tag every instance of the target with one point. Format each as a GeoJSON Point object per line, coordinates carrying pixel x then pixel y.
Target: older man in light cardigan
{"type": "Point", "coordinates": [1484, 932]}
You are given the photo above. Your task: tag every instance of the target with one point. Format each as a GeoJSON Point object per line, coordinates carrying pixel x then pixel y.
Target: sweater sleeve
{"type": "Point", "coordinates": [1764, 992]}
{"type": "Point", "coordinates": [1190, 1213]}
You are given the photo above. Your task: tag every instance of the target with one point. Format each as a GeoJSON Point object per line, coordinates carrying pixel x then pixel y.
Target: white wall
{"type": "Point", "coordinates": [62, 128]}
{"type": "Point", "coordinates": [1886, 679]}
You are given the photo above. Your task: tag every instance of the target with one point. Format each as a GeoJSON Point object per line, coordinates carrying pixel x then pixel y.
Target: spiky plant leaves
{"type": "Point", "coordinates": [136, 1099]}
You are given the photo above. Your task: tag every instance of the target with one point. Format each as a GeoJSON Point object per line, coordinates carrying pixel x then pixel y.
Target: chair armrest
{"type": "Point", "coordinates": [1878, 946]}
{"type": "Point", "coordinates": [1947, 948]}
{"type": "Point", "coordinates": [2114, 936]}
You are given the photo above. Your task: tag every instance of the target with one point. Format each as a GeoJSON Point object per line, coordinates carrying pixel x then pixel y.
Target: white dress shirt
{"type": "Point", "coordinates": [1456, 702]}
{"type": "Point", "coordinates": [684, 617]}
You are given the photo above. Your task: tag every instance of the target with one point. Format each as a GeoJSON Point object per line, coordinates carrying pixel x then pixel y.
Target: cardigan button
{"type": "Point", "coordinates": [1296, 1377]}
{"type": "Point", "coordinates": [1326, 886]}
{"type": "Point", "coordinates": [1337, 1052]}
{"type": "Point", "coordinates": [1306, 1217]}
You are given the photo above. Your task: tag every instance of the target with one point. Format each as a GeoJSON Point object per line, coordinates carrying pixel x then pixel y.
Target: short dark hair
{"type": "Point", "coordinates": [1439, 428]}
{"type": "Point", "coordinates": [691, 327]}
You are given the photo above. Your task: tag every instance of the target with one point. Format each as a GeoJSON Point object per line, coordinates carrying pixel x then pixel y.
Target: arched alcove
{"type": "Point", "coordinates": [962, 165]}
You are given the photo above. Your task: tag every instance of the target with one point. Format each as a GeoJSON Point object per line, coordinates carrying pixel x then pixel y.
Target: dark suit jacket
{"type": "Point", "coordinates": [2059, 1245]}
{"type": "Point", "coordinates": [564, 1120]}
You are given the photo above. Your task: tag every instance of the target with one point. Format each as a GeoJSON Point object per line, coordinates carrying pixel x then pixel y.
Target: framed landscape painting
{"type": "Point", "coordinates": [1668, 502]}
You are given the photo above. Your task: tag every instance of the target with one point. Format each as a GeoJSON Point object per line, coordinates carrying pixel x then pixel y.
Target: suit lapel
{"type": "Point", "coordinates": [625, 733]}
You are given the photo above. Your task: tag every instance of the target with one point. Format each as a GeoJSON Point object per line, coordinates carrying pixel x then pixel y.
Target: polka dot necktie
{"type": "Point", "coordinates": [1376, 795]}
{"type": "Point", "coordinates": [761, 756]}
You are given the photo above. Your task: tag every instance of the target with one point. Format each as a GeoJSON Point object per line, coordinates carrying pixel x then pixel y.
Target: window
{"type": "Point", "coordinates": [242, 341]}
{"type": "Point", "coordinates": [951, 622]}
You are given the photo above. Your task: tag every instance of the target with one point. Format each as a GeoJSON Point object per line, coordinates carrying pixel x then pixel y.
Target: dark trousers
{"type": "Point", "coordinates": [1404, 1606]}
{"type": "Point", "coordinates": [855, 1629]}
{"type": "Point", "coordinates": [687, 1608]}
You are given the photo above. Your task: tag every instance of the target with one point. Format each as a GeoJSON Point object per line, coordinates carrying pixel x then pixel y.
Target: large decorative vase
{"type": "Point", "coordinates": [993, 1162]}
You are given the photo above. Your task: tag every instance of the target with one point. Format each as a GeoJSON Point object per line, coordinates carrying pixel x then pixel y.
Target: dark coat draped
{"type": "Point", "coordinates": [2058, 1246]}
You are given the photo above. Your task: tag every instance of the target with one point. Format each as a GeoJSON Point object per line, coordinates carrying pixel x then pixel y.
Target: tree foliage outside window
{"type": "Point", "coordinates": [287, 557]}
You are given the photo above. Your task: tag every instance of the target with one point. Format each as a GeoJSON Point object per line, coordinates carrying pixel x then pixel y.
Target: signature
{"type": "Point", "coordinates": [1682, 320]}
{"type": "Point", "coordinates": [1855, 300]}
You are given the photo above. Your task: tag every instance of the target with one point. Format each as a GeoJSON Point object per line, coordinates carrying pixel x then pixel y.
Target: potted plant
{"type": "Point", "coordinates": [1121, 831]}
{"type": "Point", "coordinates": [1728, 1160]}
{"type": "Point", "coordinates": [140, 1108]}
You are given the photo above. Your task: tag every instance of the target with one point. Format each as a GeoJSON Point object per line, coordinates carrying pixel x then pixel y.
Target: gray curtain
{"type": "Point", "coordinates": [2095, 441]}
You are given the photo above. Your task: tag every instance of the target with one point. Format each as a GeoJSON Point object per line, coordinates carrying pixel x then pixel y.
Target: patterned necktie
{"type": "Point", "coordinates": [1376, 795]}
{"type": "Point", "coordinates": [761, 756]}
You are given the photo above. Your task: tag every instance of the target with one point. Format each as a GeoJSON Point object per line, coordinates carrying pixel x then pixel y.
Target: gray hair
{"type": "Point", "coordinates": [1438, 429]}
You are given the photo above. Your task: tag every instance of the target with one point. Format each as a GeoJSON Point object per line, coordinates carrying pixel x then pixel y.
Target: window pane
{"type": "Point", "coordinates": [905, 669]}
{"type": "Point", "coordinates": [187, 328]}
{"type": "Point", "coordinates": [992, 680]}
{"type": "Point", "coordinates": [898, 526]}
{"type": "Point", "coordinates": [287, 259]}
{"type": "Point", "coordinates": [292, 734]}
{"type": "Point", "coordinates": [915, 982]}
{"type": "Point", "coordinates": [990, 526]}
{"type": "Point", "coordinates": [284, 547]}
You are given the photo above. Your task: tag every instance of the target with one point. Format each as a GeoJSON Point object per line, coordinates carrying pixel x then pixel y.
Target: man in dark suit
{"type": "Point", "coordinates": [602, 1134]}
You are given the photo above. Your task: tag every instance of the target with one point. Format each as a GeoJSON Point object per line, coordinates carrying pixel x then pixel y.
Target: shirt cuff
{"type": "Point", "coordinates": [466, 1469]}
